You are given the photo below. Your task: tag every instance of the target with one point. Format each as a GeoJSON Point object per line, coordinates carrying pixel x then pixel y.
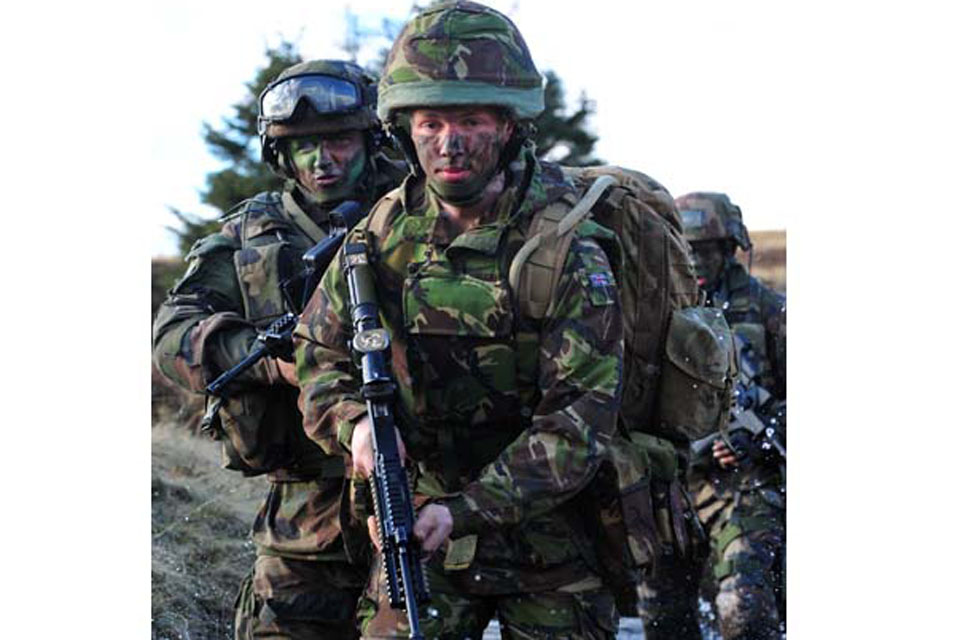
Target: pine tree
{"type": "Point", "coordinates": [236, 142]}
{"type": "Point", "coordinates": [560, 137]}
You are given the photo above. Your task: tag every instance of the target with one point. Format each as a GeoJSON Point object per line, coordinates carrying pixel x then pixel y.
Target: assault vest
{"type": "Point", "coordinates": [260, 428]}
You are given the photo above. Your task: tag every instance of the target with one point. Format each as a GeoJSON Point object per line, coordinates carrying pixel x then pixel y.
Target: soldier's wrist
{"type": "Point", "coordinates": [466, 521]}
{"type": "Point", "coordinates": [348, 413]}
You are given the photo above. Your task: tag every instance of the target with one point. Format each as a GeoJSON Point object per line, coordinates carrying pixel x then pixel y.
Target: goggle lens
{"type": "Point", "coordinates": [326, 94]}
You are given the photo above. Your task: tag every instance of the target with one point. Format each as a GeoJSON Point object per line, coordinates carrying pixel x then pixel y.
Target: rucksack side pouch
{"type": "Point", "coordinates": [699, 367]}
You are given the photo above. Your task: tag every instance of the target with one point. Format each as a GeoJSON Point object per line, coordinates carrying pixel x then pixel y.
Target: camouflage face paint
{"type": "Point", "coordinates": [329, 165]}
{"type": "Point", "coordinates": [709, 257]}
{"type": "Point", "coordinates": [459, 149]}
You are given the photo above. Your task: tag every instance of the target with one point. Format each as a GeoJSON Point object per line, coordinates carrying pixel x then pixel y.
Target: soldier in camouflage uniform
{"type": "Point", "coordinates": [739, 495]}
{"type": "Point", "coordinates": [503, 418]}
{"type": "Point", "coordinates": [319, 130]}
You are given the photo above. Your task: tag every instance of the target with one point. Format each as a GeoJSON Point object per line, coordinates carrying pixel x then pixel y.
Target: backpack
{"type": "Point", "coordinates": [679, 360]}
{"type": "Point", "coordinates": [679, 364]}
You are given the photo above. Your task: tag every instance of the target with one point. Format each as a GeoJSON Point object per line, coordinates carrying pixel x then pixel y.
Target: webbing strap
{"type": "Point", "coordinates": [377, 219]}
{"type": "Point", "coordinates": [545, 251]}
{"type": "Point", "coordinates": [311, 228]}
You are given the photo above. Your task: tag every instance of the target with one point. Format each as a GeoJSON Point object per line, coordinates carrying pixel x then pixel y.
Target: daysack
{"type": "Point", "coordinates": [679, 363]}
{"type": "Point", "coordinates": [679, 360]}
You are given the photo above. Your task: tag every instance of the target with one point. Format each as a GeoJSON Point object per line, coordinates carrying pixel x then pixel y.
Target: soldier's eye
{"type": "Point", "coordinates": [304, 146]}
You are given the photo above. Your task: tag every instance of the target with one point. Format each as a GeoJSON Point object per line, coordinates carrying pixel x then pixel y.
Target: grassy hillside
{"type": "Point", "coordinates": [201, 516]}
{"type": "Point", "coordinates": [769, 258]}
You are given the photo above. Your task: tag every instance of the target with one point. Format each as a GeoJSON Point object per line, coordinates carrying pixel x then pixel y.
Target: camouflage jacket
{"type": "Point", "coordinates": [505, 417]}
{"type": "Point", "coordinates": [208, 323]}
{"type": "Point", "coordinates": [759, 315]}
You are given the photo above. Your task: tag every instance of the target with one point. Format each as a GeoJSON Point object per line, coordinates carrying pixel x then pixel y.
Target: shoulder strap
{"type": "Point", "coordinates": [379, 214]}
{"type": "Point", "coordinates": [536, 268]}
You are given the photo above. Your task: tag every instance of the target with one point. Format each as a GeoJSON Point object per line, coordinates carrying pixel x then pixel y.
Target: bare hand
{"type": "Point", "coordinates": [288, 370]}
{"type": "Point", "coordinates": [433, 527]}
{"type": "Point", "coordinates": [361, 448]}
{"type": "Point", "coordinates": [374, 532]}
{"type": "Point", "coordinates": [723, 455]}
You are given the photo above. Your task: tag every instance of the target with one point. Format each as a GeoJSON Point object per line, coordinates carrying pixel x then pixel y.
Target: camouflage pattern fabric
{"type": "Point", "coordinates": [285, 598]}
{"type": "Point", "coordinates": [712, 216]}
{"type": "Point", "coordinates": [506, 418]}
{"type": "Point", "coordinates": [581, 610]}
{"type": "Point", "coordinates": [363, 118]}
{"type": "Point", "coordinates": [460, 53]}
{"type": "Point", "coordinates": [207, 324]}
{"type": "Point", "coordinates": [743, 509]}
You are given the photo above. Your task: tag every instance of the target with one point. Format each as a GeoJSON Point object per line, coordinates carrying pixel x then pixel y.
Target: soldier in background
{"type": "Point", "coordinates": [503, 416]}
{"type": "Point", "coordinates": [319, 131]}
{"type": "Point", "coordinates": [739, 491]}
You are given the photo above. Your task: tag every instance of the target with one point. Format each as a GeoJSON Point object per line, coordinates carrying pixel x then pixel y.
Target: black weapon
{"type": "Point", "coordinates": [390, 486]}
{"type": "Point", "coordinates": [342, 219]}
{"type": "Point", "coordinates": [277, 339]}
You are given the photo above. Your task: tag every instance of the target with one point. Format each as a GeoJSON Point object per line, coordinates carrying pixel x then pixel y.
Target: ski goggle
{"type": "Point", "coordinates": [326, 94]}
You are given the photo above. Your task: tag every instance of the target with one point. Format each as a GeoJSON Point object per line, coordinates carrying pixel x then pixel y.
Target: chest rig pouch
{"type": "Point", "coordinates": [262, 426]}
{"type": "Point", "coordinates": [459, 320]}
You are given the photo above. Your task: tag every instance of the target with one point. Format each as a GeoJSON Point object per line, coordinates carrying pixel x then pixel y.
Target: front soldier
{"type": "Point", "coordinates": [738, 493]}
{"type": "Point", "coordinates": [319, 130]}
{"type": "Point", "coordinates": [504, 418]}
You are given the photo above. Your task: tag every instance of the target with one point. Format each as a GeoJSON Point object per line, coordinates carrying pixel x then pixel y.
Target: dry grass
{"type": "Point", "coordinates": [201, 516]}
{"type": "Point", "coordinates": [769, 258]}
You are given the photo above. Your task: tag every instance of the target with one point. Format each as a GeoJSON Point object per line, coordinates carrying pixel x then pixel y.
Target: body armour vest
{"type": "Point", "coordinates": [273, 232]}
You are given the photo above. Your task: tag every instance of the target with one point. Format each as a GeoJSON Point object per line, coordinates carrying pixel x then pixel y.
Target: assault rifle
{"type": "Point", "coordinates": [277, 339]}
{"type": "Point", "coordinates": [390, 486]}
{"type": "Point", "coordinates": [755, 410]}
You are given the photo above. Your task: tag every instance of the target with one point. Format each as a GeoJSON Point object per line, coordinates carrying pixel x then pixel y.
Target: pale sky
{"type": "Point", "coordinates": [698, 95]}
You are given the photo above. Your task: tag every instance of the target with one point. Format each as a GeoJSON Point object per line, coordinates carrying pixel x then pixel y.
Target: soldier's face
{"type": "Point", "coordinates": [709, 256]}
{"type": "Point", "coordinates": [329, 165]}
{"type": "Point", "coordinates": [459, 148]}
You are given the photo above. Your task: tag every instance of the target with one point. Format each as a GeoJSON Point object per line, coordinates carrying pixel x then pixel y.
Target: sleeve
{"type": "Point", "coordinates": [200, 331]}
{"type": "Point", "coordinates": [580, 369]}
{"type": "Point", "coordinates": [329, 385]}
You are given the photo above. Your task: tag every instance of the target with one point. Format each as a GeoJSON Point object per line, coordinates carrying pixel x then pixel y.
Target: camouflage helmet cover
{"type": "Point", "coordinates": [307, 121]}
{"type": "Point", "coordinates": [712, 216]}
{"type": "Point", "coordinates": [459, 53]}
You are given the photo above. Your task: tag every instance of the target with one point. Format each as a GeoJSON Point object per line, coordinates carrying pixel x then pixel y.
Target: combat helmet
{"type": "Point", "coordinates": [712, 216]}
{"type": "Point", "coordinates": [319, 96]}
{"type": "Point", "coordinates": [460, 53]}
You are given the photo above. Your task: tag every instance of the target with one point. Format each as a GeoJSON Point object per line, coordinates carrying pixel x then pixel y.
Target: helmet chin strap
{"type": "Point", "coordinates": [400, 135]}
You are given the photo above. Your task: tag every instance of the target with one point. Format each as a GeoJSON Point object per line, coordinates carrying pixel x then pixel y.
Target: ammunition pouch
{"type": "Point", "coordinates": [699, 370]}
{"type": "Point", "coordinates": [643, 512]}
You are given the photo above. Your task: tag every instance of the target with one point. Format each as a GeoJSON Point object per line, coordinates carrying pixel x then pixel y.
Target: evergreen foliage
{"type": "Point", "coordinates": [560, 137]}
{"type": "Point", "coordinates": [236, 142]}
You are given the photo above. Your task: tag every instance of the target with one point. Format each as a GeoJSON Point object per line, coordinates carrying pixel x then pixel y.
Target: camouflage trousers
{"type": "Point", "coordinates": [291, 599]}
{"type": "Point", "coordinates": [582, 611]}
{"type": "Point", "coordinates": [747, 529]}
